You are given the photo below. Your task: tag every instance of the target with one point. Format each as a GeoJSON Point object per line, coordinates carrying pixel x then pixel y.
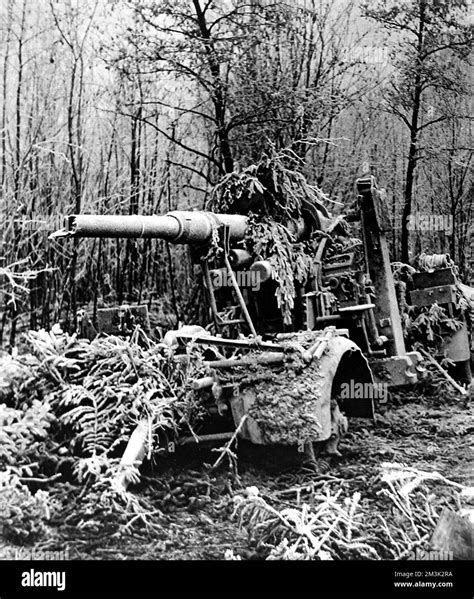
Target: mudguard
{"type": "Point", "coordinates": [297, 405]}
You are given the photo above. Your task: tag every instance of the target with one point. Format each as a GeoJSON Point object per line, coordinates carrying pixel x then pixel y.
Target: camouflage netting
{"type": "Point", "coordinates": [272, 193]}
{"type": "Point", "coordinates": [94, 392]}
{"type": "Point", "coordinates": [273, 187]}
{"type": "Point", "coordinates": [291, 402]}
{"type": "Point", "coordinates": [286, 406]}
{"type": "Point", "coordinates": [358, 508]}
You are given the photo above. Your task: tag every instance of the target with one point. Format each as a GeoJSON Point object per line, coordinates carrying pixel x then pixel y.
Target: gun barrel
{"type": "Point", "coordinates": [179, 226]}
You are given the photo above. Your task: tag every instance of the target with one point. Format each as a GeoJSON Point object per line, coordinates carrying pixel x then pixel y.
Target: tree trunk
{"type": "Point", "coordinates": [414, 130]}
{"type": "Point", "coordinates": [218, 92]}
{"type": "Point", "coordinates": [18, 124]}
{"type": "Point", "coordinates": [5, 96]}
{"type": "Point", "coordinates": [409, 180]}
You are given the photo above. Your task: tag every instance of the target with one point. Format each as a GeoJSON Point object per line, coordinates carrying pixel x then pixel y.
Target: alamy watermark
{"type": "Point", "coordinates": [47, 223]}
{"type": "Point", "coordinates": [431, 223]}
{"type": "Point", "coordinates": [32, 554]}
{"type": "Point", "coordinates": [432, 555]}
{"type": "Point", "coordinates": [357, 390]}
{"type": "Point", "coordinates": [367, 55]}
{"type": "Point", "coordinates": [245, 278]}
{"type": "Point", "coordinates": [4, 512]}
{"type": "Point", "coordinates": [26, 553]}
{"type": "Point", "coordinates": [3, 505]}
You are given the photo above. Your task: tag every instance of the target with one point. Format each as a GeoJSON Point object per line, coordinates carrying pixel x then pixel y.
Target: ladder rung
{"type": "Point", "coordinates": [235, 321]}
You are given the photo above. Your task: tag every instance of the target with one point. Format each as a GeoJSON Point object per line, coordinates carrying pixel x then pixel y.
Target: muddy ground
{"type": "Point", "coordinates": [193, 505]}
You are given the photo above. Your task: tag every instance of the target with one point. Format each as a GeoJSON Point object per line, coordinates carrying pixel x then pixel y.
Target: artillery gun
{"type": "Point", "coordinates": [268, 379]}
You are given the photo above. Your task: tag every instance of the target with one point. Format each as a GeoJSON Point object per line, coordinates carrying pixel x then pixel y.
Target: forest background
{"type": "Point", "coordinates": [142, 106]}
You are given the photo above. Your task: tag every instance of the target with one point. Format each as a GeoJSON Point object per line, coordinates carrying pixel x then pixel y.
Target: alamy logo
{"type": "Point", "coordinates": [368, 55]}
{"type": "Point", "coordinates": [244, 278]}
{"type": "Point", "coordinates": [432, 223]}
{"type": "Point", "coordinates": [357, 390]}
{"type": "Point", "coordinates": [434, 555]}
{"type": "Point", "coordinates": [26, 553]}
{"type": "Point", "coordinates": [41, 222]}
{"type": "Point", "coordinates": [35, 578]}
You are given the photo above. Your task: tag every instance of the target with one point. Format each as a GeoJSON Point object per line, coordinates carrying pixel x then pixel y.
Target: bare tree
{"type": "Point", "coordinates": [429, 33]}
